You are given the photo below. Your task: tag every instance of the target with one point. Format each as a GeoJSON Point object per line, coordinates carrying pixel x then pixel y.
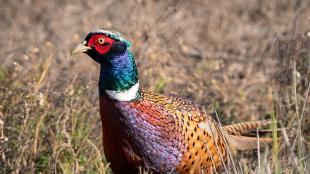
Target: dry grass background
{"type": "Point", "coordinates": [247, 60]}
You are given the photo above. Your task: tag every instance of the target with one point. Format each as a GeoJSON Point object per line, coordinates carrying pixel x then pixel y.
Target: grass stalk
{"type": "Point", "coordinates": [275, 147]}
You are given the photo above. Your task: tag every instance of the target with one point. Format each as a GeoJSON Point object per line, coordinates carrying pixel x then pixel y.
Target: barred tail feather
{"type": "Point", "coordinates": [240, 128]}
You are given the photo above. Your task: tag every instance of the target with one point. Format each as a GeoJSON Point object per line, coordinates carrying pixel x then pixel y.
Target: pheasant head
{"type": "Point", "coordinates": [118, 74]}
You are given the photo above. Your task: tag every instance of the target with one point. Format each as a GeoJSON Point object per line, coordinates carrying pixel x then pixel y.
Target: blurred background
{"type": "Point", "coordinates": [246, 60]}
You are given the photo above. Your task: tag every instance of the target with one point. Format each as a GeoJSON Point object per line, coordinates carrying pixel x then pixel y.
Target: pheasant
{"type": "Point", "coordinates": [163, 133]}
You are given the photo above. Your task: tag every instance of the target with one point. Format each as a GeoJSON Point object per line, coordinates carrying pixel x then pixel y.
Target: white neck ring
{"type": "Point", "coordinates": [127, 95]}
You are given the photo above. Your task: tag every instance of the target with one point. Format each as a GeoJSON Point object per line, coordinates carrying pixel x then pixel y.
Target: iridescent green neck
{"type": "Point", "coordinates": [119, 77]}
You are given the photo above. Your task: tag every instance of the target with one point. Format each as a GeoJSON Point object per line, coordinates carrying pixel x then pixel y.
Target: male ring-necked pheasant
{"type": "Point", "coordinates": [163, 133]}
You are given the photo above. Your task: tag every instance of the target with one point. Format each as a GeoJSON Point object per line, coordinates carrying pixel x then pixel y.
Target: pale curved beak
{"type": "Point", "coordinates": [81, 48]}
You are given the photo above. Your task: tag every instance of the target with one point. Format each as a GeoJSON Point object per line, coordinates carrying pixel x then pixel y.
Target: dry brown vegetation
{"type": "Point", "coordinates": [247, 60]}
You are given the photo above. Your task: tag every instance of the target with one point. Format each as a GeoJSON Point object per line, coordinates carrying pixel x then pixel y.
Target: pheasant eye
{"type": "Point", "coordinates": [101, 40]}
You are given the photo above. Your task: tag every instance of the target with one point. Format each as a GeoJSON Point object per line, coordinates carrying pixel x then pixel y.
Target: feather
{"type": "Point", "coordinates": [240, 128]}
{"type": "Point", "coordinates": [246, 143]}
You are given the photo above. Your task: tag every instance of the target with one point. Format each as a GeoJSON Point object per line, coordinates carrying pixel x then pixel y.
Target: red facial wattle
{"type": "Point", "coordinates": [101, 47]}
